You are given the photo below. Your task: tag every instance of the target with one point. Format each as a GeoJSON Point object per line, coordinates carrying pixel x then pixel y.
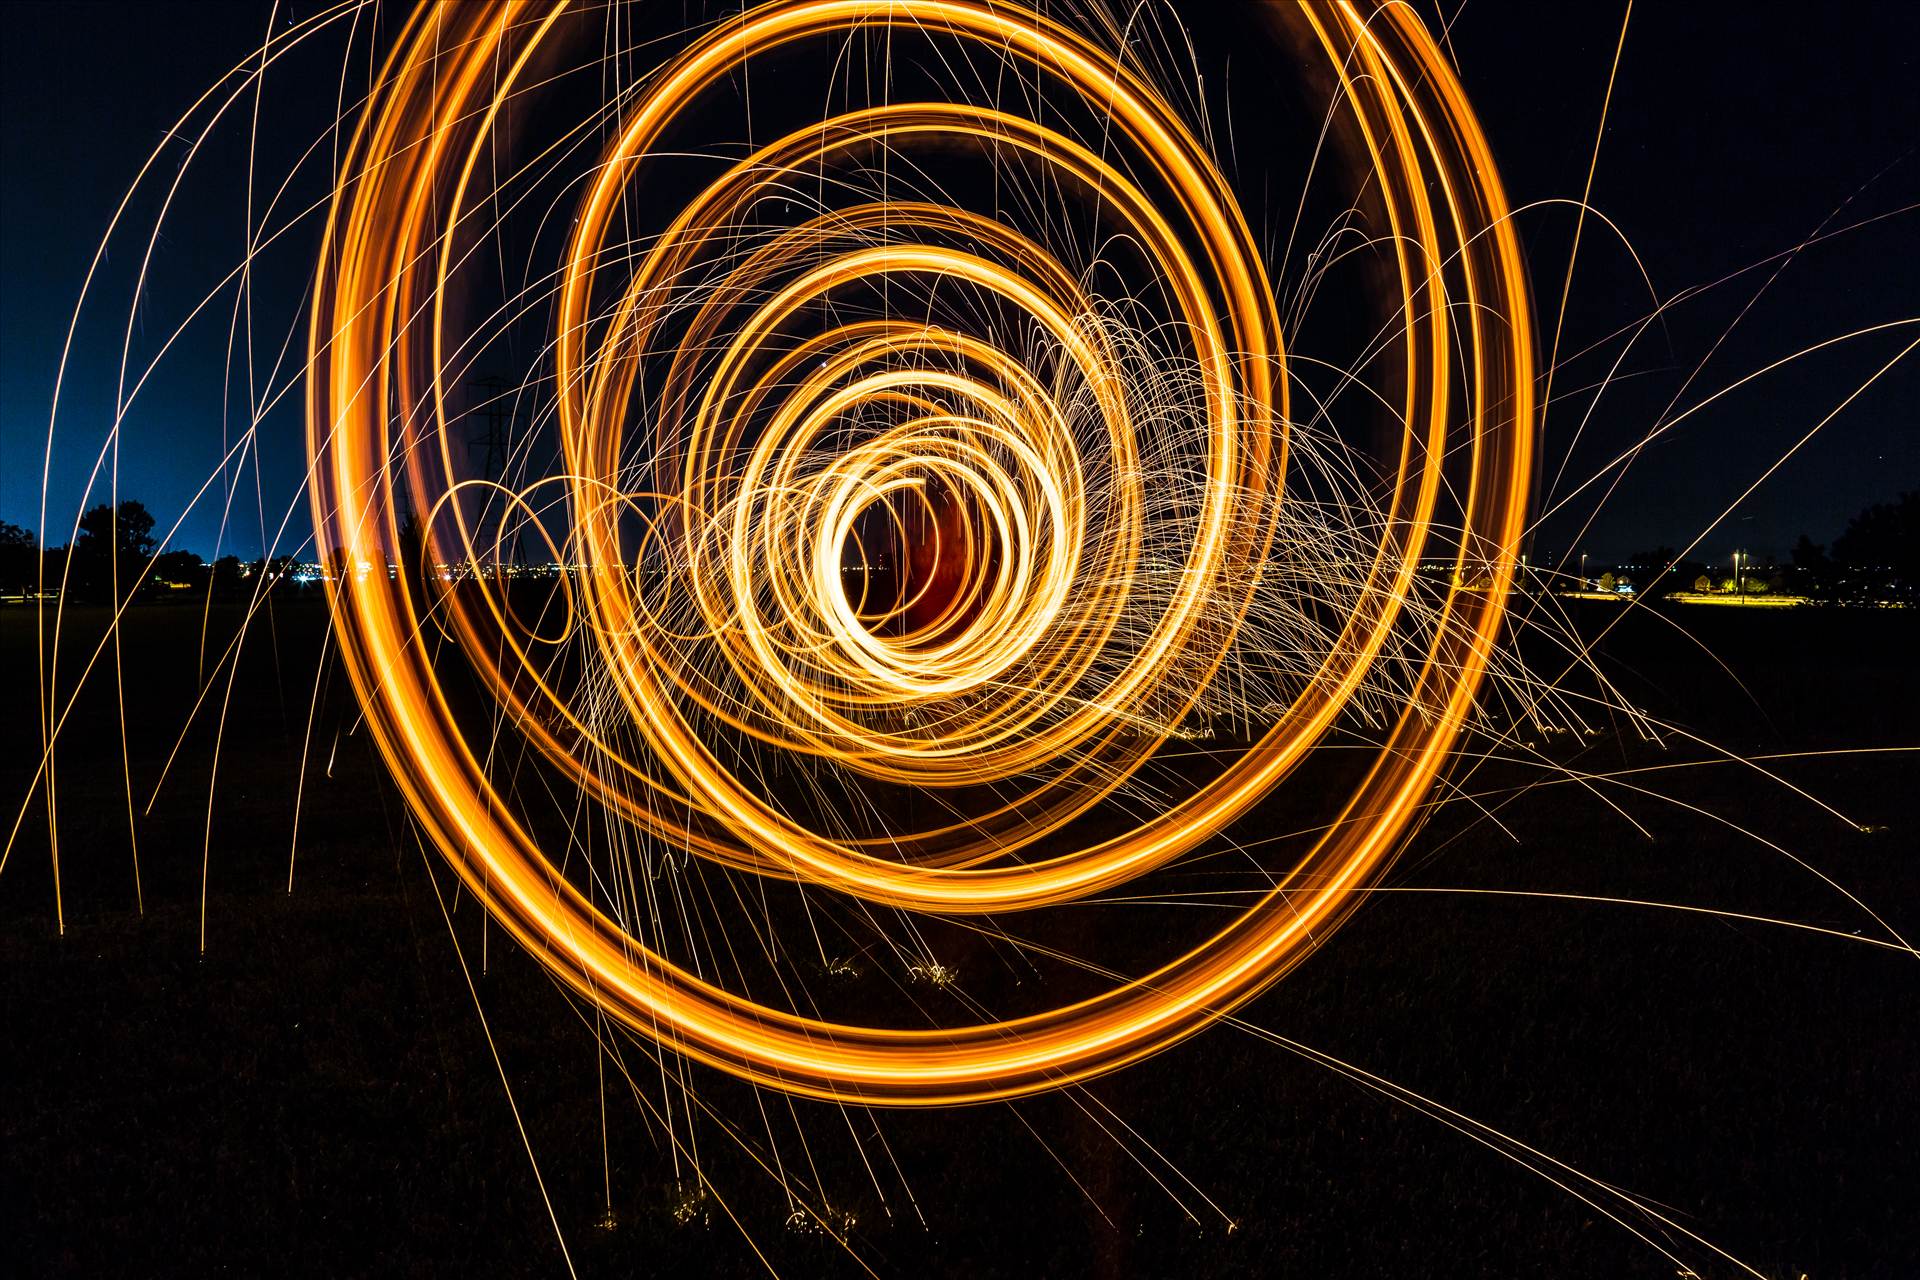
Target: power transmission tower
{"type": "Point", "coordinates": [494, 409]}
{"type": "Point", "coordinates": [498, 439]}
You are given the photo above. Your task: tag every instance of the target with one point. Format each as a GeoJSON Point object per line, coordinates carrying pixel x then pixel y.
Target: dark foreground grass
{"type": "Point", "coordinates": [315, 1094]}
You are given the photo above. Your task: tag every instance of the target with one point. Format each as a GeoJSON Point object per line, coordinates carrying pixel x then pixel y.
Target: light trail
{"type": "Point", "coordinates": [863, 493]}
{"type": "Point", "coordinates": [1066, 651]}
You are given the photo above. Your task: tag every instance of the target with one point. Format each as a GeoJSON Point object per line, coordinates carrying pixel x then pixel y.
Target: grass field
{"type": "Point", "coordinates": [315, 1094]}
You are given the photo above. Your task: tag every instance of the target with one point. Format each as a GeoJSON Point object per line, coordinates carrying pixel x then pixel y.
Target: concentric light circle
{"type": "Point", "coordinates": [803, 392]}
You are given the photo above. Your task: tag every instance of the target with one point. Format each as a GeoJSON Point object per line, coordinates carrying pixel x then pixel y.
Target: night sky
{"type": "Point", "coordinates": [1735, 133]}
{"type": "Point", "coordinates": [1648, 972]}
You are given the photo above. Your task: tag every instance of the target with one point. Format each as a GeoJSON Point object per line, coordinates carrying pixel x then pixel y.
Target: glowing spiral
{"type": "Point", "coordinates": [804, 393]}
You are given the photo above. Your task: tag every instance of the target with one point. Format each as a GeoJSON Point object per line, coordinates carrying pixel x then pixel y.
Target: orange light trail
{"type": "Point", "coordinates": [757, 630]}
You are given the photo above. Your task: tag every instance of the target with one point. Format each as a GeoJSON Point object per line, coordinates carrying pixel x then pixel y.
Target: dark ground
{"type": "Point", "coordinates": [315, 1095]}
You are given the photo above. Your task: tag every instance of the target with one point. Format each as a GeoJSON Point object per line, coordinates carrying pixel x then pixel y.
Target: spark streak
{"type": "Point", "coordinates": [1060, 664]}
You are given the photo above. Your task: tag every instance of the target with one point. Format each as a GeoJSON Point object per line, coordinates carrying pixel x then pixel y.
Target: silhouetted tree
{"type": "Point", "coordinates": [226, 576]}
{"type": "Point", "coordinates": [128, 528]}
{"type": "Point", "coordinates": [1879, 554]}
{"type": "Point", "coordinates": [1663, 575]}
{"type": "Point", "coordinates": [113, 540]}
{"type": "Point", "coordinates": [1812, 573]}
{"type": "Point", "coordinates": [19, 559]}
{"type": "Point", "coordinates": [178, 569]}
{"type": "Point", "coordinates": [269, 574]}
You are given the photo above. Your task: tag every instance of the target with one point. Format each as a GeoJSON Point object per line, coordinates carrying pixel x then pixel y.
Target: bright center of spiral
{"type": "Point", "coordinates": [914, 563]}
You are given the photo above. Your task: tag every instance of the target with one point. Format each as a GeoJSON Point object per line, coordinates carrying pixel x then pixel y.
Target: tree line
{"type": "Point", "coordinates": [1876, 559]}
{"type": "Point", "coordinates": [114, 555]}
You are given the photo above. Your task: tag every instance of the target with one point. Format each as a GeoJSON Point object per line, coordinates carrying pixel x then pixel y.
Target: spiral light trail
{"type": "Point", "coordinates": [747, 412]}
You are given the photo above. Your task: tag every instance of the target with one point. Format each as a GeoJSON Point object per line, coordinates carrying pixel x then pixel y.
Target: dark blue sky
{"type": "Point", "coordinates": [1735, 132]}
{"type": "Point", "coordinates": [90, 89]}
